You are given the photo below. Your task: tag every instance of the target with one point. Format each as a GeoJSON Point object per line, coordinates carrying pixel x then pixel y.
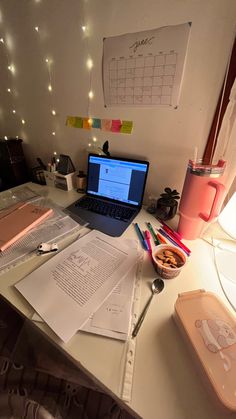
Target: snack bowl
{"type": "Point", "coordinates": [168, 260]}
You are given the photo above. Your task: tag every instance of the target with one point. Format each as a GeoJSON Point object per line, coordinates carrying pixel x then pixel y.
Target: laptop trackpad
{"type": "Point", "coordinates": [107, 225]}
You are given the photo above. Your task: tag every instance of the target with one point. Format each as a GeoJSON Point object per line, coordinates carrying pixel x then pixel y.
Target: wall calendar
{"type": "Point", "coordinates": [145, 68]}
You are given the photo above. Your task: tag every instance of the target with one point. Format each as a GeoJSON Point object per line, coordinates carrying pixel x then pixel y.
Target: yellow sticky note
{"type": "Point", "coordinates": [126, 127]}
{"type": "Point", "coordinates": [70, 121]}
{"type": "Point", "coordinates": [106, 124]}
{"type": "Point", "coordinates": [86, 123]}
{"type": "Point", "coordinates": [74, 121]}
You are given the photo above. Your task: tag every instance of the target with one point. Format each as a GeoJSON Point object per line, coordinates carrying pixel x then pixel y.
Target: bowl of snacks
{"type": "Point", "coordinates": [168, 260]}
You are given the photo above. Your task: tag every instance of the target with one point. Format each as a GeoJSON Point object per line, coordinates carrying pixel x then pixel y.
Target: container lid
{"type": "Point", "coordinates": [210, 170]}
{"type": "Point", "coordinates": [211, 329]}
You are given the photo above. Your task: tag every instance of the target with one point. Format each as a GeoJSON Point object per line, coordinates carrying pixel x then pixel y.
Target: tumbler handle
{"type": "Point", "coordinates": [217, 201]}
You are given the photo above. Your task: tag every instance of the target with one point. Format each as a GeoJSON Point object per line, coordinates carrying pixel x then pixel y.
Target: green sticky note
{"type": "Point", "coordinates": [96, 123]}
{"type": "Point", "coordinates": [78, 122]}
{"type": "Point", "coordinates": [126, 127]}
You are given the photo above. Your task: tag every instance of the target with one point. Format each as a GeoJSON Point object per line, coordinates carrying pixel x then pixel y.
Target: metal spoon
{"type": "Point", "coordinates": [157, 287]}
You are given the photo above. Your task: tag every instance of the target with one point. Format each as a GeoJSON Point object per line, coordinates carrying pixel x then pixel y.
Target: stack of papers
{"type": "Point", "coordinates": [88, 286]}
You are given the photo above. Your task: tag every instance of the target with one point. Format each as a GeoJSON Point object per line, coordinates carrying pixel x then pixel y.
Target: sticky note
{"type": "Point", "coordinates": [106, 124]}
{"type": "Point", "coordinates": [70, 120]}
{"type": "Point", "coordinates": [126, 127]}
{"type": "Point", "coordinates": [86, 123]}
{"type": "Point", "coordinates": [115, 125]}
{"type": "Point", "coordinates": [96, 123]}
{"type": "Point", "coordinates": [74, 121]}
{"type": "Point", "coordinates": [78, 122]}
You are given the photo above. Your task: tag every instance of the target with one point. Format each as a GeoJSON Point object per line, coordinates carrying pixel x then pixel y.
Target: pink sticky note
{"type": "Point", "coordinates": [115, 125]}
{"type": "Point", "coordinates": [106, 124]}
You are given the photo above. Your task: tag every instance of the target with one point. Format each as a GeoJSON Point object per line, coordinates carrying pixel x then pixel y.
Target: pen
{"type": "Point", "coordinates": [168, 228]}
{"type": "Point", "coordinates": [172, 240]}
{"type": "Point", "coordinates": [140, 235]}
{"type": "Point", "coordinates": [161, 239]}
{"type": "Point", "coordinates": [147, 237]}
{"type": "Point", "coordinates": [154, 236]}
{"type": "Point", "coordinates": [176, 239]}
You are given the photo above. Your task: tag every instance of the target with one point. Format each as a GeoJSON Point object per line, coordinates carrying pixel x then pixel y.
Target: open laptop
{"type": "Point", "coordinates": [114, 193]}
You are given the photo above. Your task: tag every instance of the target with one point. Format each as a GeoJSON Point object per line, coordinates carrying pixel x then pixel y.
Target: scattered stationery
{"type": "Point", "coordinates": [173, 241]}
{"type": "Point", "coordinates": [154, 236]}
{"type": "Point", "coordinates": [18, 220]}
{"type": "Point", "coordinates": [67, 289]}
{"type": "Point", "coordinates": [175, 238]}
{"type": "Point", "coordinates": [169, 229]}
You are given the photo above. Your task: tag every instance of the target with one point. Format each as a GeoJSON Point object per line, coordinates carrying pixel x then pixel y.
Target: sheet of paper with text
{"type": "Point", "coordinates": [72, 285]}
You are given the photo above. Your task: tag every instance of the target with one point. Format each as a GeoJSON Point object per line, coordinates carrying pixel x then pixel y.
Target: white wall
{"type": "Point", "coordinates": [164, 136]}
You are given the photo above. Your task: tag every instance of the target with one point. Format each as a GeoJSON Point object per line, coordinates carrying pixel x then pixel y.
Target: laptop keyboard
{"type": "Point", "coordinates": [106, 208]}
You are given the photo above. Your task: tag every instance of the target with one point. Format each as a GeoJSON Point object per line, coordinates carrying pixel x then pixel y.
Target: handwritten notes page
{"type": "Point", "coordinates": [67, 289]}
{"type": "Point", "coordinates": [145, 68]}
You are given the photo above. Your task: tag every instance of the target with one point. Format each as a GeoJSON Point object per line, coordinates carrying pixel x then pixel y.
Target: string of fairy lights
{"type": "Point", "coordinates": [49, 62]}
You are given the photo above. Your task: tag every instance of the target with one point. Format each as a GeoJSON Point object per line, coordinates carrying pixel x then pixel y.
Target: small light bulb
{"type": "Point", "coordinates": [17, 136]}
{"type": "Point", "coordinates": [23, 121]}
{"type": "Point", "coordinates": [90, 121]}
{"type": "Point", "coordinates": [53, 112]}
{"type": "Point", "coordinates": [53, 133]}
{"type": "Point", "coordinates": [2, 40]}
{"type": "Point", "coordinates": [89, 144]}
{"type": "Point", "coordinates": [9, 90]}
{"type": "Point", "coordinates": [9, 67]}
{"type": "Point", "coordinates": [94, 139]}
{"type": "Point", "coordinates": [47, 60]}
{"type": "Point", "coordinates": [83, 28]}
{"type": "Point", "coordinates": [55, 153]}
{"type": "Point", "coordinates": [89, 63]}
{"type": "Point", "coordinates": [57, 160]}
{"type": "Point", "coordinates": [5, 138]}
{"type": "Point", "coordinates": [90, 94]}
{"type": "Point", "coordinates": [13, 111]}
{"type": "Point", "coordinates": [36, 28]}
{"type": "Point", "coordinates": [50, 87]}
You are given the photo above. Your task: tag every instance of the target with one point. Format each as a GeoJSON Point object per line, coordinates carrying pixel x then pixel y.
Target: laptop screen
{"type": "Point", "coordinates": [118, 179]}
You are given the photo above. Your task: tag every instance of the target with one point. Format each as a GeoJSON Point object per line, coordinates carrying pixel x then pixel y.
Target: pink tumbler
{"type": "Point", "coordinates": [201, 199]}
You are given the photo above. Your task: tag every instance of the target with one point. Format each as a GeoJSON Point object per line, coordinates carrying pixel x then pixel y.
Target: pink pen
{"type": "Point", "coordinates": [148, 237]}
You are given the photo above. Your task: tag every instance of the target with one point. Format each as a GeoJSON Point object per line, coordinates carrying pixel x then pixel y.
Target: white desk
{"type": "Point", "coordinates": [165, 382]}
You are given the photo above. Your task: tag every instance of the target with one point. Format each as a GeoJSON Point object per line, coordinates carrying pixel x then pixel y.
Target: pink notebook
{"type": "Point", "coordinates": [17, 220]}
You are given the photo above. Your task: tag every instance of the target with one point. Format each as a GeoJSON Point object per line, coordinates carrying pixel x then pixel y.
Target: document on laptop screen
{"type": "Point", "coordinates": [67, 289]}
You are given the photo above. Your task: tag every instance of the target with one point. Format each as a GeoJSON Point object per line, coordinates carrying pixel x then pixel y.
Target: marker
{"type": "Point", "coordinates": [169, 232]}
{"type": "Point", "coordinates": [154, 236]}
{"type": "Point", "coordinates": [147, 237]}
{"type": "Point", "coordinates": [161, 239]}
{"type": "Point", "coordinates": [173, 241]}
{"type": "Point", "coordinates": [140, 235]}
{"type": "Point", "coordinates": [169, 229]}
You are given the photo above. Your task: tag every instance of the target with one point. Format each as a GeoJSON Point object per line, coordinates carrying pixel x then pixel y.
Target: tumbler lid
{"type": "Point", "coordinates": [199, 168]}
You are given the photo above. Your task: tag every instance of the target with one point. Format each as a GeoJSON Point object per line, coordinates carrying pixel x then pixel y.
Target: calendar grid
{"type": "Point", "coordinates": [142, 80]}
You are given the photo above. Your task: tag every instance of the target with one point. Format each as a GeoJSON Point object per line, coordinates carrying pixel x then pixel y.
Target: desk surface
{"type": "Point", "coordinates": [165, 383]}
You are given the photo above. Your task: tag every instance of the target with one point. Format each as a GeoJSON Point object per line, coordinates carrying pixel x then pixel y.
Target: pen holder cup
{"type": "Point", "coordinates": [168, 260]}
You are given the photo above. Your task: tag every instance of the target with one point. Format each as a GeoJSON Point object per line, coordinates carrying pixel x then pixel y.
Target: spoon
{"type": "Point", "coordinates": [157, 287]}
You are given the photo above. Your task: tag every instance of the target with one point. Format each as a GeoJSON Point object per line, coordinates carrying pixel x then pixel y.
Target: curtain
{"type": "Point", "coordinates": [226, 142]}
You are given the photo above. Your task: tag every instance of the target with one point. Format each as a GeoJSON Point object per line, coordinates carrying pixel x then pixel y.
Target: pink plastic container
{"type": "Point", "coordinates": [202, 197]}
{"type": "Point", "coordinates": [210, 330]}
